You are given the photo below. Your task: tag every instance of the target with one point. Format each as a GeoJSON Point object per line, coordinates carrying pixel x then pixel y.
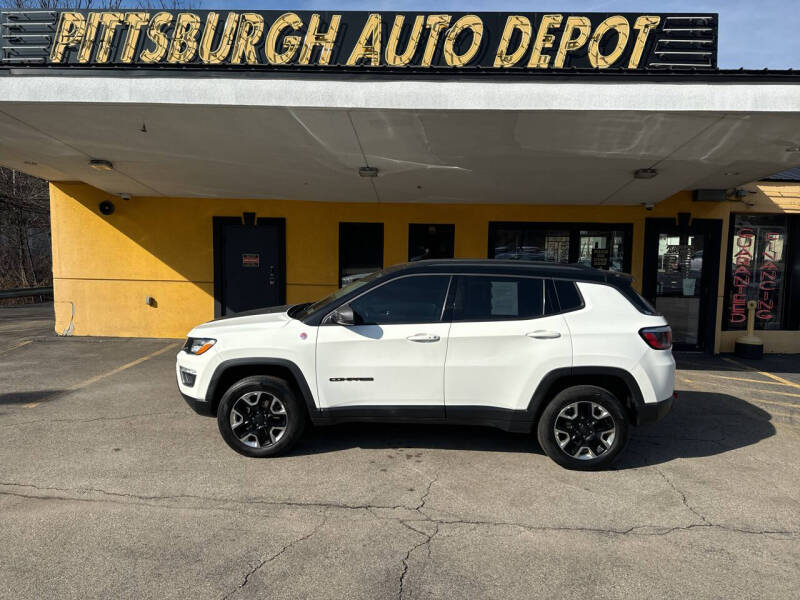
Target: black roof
{"type": "Point", "coordinates": [787, 175]}
{"type": "Point", "coordinates": [573, 271]}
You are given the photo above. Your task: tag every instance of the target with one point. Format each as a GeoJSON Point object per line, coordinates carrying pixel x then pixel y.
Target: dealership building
{"type": "Point", "coordinates": [203, 163]}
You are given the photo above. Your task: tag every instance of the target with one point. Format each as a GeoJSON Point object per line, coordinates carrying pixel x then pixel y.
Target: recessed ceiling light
{"type": "Point", "coordinates": [645, 173]}
{"type": "Point", "coordinates": [732, 173]}
{"type": "Point", "coordinates": [101, 165]}
{"type": "Point", "coordinates": [368, 172]}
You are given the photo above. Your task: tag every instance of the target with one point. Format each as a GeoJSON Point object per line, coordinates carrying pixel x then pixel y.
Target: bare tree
{"type": "Point", "coordinates": [25, 251]}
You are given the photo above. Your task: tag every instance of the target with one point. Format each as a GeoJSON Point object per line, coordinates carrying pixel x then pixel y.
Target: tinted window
{"type": "Point", "coordinates": [360, 251]}
{"type": "Point", "coordinates": [430, 241]}
{"type": "Point", "coordinates": [415, 299]}
{"type": "Point", "coordinates": [491, 298]}
{"type": "Point", "coordinates": [642, 305]}
{"type": "Point", "coordinates": [569, 298]}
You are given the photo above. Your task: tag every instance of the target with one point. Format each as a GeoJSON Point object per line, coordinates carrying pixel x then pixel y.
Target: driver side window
{"type": "Point", "coordinates": [412, 299]}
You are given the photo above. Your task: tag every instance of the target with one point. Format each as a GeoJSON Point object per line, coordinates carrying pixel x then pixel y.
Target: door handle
{"type": "Point", "coordinates": [541, 334]}
{"type": "Point", "coordinates": [423, 337]}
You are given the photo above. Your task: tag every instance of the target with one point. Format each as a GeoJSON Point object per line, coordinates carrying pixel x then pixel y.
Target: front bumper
{"type": "Point", "coordinates": [201, 407]}
{"type": "Point", "coordinates": [651, 412]}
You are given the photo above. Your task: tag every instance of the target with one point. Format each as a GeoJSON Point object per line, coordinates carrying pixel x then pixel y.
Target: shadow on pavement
{"type": "Point", "coordinates": [700, 424]}
{"type": "Point", "coordinates": [28, 397]}
{"type": "Point", "coordinates": [776, 363]}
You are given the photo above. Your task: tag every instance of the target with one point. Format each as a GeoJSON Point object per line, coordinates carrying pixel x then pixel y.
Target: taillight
{"type": "Point", "coordinates": [658, 338]}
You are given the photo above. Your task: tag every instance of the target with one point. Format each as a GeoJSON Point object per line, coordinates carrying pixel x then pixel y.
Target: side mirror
{"type": "Point", "coordinates": [343, 316]}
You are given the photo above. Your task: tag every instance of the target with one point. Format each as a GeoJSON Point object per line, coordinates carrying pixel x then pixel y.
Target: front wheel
{"type": "Point", "coordinates": [583, 428]}
{"type": "Point", "coordinates": [260, 416]}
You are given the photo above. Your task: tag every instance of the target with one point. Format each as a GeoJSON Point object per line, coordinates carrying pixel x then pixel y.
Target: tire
{"type": "Point", "coordinates": [260, 417]}
{"type": "Point", "coordinates": [583, 428]}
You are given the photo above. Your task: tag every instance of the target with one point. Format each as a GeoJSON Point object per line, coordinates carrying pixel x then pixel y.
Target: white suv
{"type": "Point", "coordinates": [572, 352]}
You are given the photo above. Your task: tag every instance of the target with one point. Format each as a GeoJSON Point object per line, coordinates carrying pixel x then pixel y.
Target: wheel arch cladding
{"type": "Point", "coordinates": [230, 371]}
{"type": "Point", "coordinates": [617, 381]}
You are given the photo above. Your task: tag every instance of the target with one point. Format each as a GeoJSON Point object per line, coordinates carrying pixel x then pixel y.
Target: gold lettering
{"type": "Point", "coordinates": [315, 38]}
{"type": "Point", "coordinates": [570, 43]}
{"type": "Point", "coordinates": [475, 25]}
{"type": "Point", "coordinates": [290, 42]}
{"type": "Point", "coordinates": [85, 53]}
{"type": "Point", "coordinates": [251, 27]}
{"type": "Point", "coordinates": [513, 23]}
{"type": "Point", "coordinates": [544, 40]}
{"type": "Point", "coordinates": [209, 55]}
{"type": "Point", "coordinates": [644, 25]}
{"type": "Point", "coordinates": [155, 33]}
{"type": "Point", "coordinates": [436, 24]}
{"type": "Point", "coordinates": [71, 29]}
{"type": "Point", "coordinates": [184, 39]}
{"type": "Point", "coordinates": [401, 60]}
{"type": "Point", "coordinates": [135, 21]}
{"type": "Point", "coordinates": [109, 21]}
{"type": "Point", "coordinates": [617, 23]}
{"type": "Point", "coordinates": [368, 46]}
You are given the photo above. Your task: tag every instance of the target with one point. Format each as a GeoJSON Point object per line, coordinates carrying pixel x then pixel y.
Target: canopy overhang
{"type": "Point", "coordinates": [432, 140]}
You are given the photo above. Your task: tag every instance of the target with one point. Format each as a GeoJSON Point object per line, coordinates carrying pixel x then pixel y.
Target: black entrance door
{"type": "Point", "coordinates": [249, 264]}
{"type": "Point", "coordinates": [681, 274]}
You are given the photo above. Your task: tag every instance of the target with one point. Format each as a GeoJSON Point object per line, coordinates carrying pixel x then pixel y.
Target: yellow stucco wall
{"type": "Point", "coordinates": [105, 266]}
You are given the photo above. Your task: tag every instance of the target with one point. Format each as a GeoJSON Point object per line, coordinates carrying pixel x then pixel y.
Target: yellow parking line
{"type": "Point", "coordinates": [776, 403]}
{"type": "Point", "coordinates": [133, 363]}
{"type": "Point", "coordinates": [745, 379]}
{"type": "Point", "coordinates": [781, 393]}
{"type": "Point", "coordinates": [20, 345]}
{"type": "Point", "coordinates": [764, 373]}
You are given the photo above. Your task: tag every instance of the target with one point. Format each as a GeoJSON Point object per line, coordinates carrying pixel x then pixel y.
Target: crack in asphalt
{"type": "Point", "coordinates": [123, 418]}
{"type": "Point", "coordinates": [425, 542]}
{"type": "Point", "coordinates": [682, 494]}
{"type": "Point", "coordinates": [269, 559]}
{"type": "Point", "coordinates": [645, 529]}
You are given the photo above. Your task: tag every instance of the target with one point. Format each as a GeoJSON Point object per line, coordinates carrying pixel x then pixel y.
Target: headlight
{"type": "Point", "coordinates": [198, 345]}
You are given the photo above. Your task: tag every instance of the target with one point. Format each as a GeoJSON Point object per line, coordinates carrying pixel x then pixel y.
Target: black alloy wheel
{"type": "Point", "coordinates": [584, 427]}
{"type": "Point", "coordinates": [260, 416]}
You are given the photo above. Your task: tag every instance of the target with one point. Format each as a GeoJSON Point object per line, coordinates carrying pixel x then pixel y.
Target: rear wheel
{"type": "Point", "coordinates": [584, 427]}
{"type": "Point", "coordinates": [260, 416]}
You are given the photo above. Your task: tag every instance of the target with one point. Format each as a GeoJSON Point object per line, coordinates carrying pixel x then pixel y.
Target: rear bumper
{"type": "Point", "coordinates": [653, 411]}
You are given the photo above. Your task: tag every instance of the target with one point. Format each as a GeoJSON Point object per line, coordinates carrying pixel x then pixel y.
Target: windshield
{"type": "Point", "coordinates": [332, 298]}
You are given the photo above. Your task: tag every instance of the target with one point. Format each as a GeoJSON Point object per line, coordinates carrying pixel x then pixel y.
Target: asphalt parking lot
{"type": "Point", "coordinates": [111, 487]}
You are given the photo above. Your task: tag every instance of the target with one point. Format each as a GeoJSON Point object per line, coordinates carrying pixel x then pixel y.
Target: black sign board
{"type": "Point", "coordinates": [600, 258]}
{"type": "Point", "coordinates": [357, 41]}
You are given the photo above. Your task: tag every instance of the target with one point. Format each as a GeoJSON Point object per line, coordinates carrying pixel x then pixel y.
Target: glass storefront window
{"type": "Point", "coordinates": [602, 249]}
{"type": "Point", "coordinates": [757, 268]}
{"type": "Point", "coordinates": [531, 244]}
{"type": "Point", "coordinates": [598, 245]}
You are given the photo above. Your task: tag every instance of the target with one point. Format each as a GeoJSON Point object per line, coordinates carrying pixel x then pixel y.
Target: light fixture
{"type": "Point", "coordinates": [367, 172]}
{"type": "Point", "coordinates": [645, 173]}
{"type": "Point", "coordinates": [101, 165]}
{"type": "Point", "coordinates": [30, 162]}
{"type": "Point", "coordinates": [793, 149]}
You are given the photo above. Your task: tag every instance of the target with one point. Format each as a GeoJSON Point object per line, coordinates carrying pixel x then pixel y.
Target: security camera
{"type": "Point", "coordinates": [125, 196]}
{"type": "Point", "coordinates": [106, 207]}
{"type": "Point", "coordinates": [648, 205]}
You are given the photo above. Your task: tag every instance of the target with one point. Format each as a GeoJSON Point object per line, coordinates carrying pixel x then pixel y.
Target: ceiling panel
{"type": "Point", "coordinates": [537, 157]}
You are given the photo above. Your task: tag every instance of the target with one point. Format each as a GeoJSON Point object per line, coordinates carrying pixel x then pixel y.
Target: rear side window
{"type": "Point", "coordinates": [569, 298]}
{"type": "Point", "coordinates": [642, 305]}
{"type": "Point", "coordinates": [495, 298]}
